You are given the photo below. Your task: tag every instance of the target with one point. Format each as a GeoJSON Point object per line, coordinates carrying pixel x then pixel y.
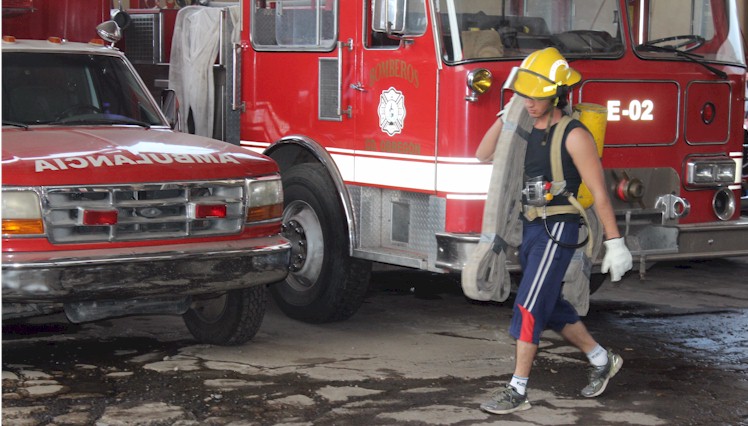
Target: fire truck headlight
{"type": "Point", "coordinates": [22, 213]}
{"type": "Point", "coordinates": [725, 173]}
{"type": "Point", "coordinates": [265, 199]}
{"type": "Point", "coordinates": [479, 82]}
{"type": "Point", "coordinates": [711, 171]}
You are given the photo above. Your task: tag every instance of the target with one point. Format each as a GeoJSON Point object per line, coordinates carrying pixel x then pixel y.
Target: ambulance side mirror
{"type": "Point", "coordinates": [169, 106]}
{"type": "Point", "coordinates": [389, 16]}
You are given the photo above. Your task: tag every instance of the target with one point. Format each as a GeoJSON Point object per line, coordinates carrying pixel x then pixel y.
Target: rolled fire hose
{"type": "Point", "coordinates": [576, 288]}
{"type": "Point", "coordinates": [485, 275]}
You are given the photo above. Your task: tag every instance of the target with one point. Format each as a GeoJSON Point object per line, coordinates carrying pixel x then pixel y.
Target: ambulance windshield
{"type": "Point", "coordinates": [480, 29]}
{"type": "Point", "coordinates": [67, 89]}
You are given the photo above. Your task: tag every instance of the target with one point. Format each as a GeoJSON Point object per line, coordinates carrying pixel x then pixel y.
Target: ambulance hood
{"type": "Point", "coordinates": [117, 155]}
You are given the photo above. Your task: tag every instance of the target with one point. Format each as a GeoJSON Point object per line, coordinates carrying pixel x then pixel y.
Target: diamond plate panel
{"type": "Point", "coordinates": [419, 217]}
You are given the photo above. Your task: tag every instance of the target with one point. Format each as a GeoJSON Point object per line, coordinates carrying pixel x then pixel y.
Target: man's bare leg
{"type": "Point", "coordinates": [524, 356]}
{"type": "Point", "coordinates": [577, 335]}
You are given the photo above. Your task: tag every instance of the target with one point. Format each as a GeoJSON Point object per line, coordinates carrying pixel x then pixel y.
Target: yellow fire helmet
{"type": "Point", "coordinates": [541, 74]}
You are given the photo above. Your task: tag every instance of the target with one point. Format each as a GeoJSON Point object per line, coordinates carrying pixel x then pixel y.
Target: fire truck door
{"type": "Point", "coordinates": [395, 113]}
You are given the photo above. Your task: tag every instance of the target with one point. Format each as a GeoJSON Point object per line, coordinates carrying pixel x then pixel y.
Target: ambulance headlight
{"type": "Point", "coordinates": [22, 213]}
{"type": "Point", "coordinates": [711, 171]}
{"type": "Point", "coordinates": [265, 199]}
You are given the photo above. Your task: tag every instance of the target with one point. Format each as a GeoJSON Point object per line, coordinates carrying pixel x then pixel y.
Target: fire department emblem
{"type": "Point", "coordinates": [391, 111]}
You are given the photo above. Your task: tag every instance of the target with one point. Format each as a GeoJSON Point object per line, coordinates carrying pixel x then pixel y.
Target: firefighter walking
{"type": "Point", "coordinates": [551, 228]}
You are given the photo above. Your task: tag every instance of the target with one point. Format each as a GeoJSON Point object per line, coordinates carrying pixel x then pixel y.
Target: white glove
{"type": "Point", "coordinates": [617, 258]}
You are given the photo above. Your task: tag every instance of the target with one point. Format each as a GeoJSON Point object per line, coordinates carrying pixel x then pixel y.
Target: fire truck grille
{"type": "Point", "coordinates": [143, 212]}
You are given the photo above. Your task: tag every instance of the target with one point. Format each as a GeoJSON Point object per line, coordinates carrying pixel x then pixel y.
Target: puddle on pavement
{"type": "Point", "coordinates": [708, 337]}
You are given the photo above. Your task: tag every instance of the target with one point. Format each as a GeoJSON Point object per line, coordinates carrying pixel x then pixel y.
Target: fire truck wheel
{"type": "Point", "coordinates": [324, 284]}
{"type": "Point", "coordinates": [231, 319]}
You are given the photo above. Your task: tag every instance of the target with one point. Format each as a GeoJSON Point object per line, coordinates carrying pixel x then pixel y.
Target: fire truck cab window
{"type": "Point", "coordinates": [294, 24]}
{"type": "Point", "coordinates": [381, 40]}
{"type": "Point", "coordinates": [480, 29]}
{"type": "Point", "coordinates": [706, 28]}
{"type": "Point", "coordinates": [398, 18]}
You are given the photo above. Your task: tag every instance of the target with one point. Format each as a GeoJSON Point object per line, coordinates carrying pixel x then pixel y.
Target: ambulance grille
{"type": "Point", "coordinates": [144, 211]}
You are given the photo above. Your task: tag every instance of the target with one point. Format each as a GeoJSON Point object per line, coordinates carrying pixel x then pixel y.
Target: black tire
{"type": "Point", "coordinates": [324, 283]}
{"type": "Point", "coordinates": [231, 319]}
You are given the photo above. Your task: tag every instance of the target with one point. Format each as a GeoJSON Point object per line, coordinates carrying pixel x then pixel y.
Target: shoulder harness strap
{"type": "Point", "coordinates": [557, 170]}
{"type": "Point", "coordinates": [558, 184]}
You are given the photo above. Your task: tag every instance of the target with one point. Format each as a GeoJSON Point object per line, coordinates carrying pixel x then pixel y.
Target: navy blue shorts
{"type": "Point", "coordinates": [539, 303]}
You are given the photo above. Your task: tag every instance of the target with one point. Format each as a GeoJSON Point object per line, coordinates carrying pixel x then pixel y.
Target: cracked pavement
{"type": "Point", "coordinates": [417, 353]}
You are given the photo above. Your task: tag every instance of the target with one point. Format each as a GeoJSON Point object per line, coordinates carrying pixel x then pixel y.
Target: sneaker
{"type": "Point", "coordinates": [599, 376]}
{"type": "Point", "coordinates": [505, 401]}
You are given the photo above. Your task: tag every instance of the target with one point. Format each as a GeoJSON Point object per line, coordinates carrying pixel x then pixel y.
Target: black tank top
{"type": "Point", "coordinates": [538, 163]}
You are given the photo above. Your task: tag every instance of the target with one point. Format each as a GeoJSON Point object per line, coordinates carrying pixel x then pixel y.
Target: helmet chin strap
{"type": "Point", "coordinates": [549, 112]}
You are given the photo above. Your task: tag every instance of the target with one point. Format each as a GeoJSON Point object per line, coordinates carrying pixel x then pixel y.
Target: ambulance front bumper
{"type": "Point", "coordinates": [142, 272]}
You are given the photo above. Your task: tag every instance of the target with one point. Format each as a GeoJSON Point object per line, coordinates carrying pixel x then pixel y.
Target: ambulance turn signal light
{"type": "Point", "coordinates": [268, 212]}
{"type": "Point", "coordinates": [22, 226]}
{"type": "Point", "coordinates": [9, 39]}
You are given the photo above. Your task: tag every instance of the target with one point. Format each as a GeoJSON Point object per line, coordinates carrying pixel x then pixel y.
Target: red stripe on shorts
{"type": "Point", "coordinates": [528, 325]}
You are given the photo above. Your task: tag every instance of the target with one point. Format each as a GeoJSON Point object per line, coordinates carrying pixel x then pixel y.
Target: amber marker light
{"type": "Point", "coordinates": [257, 214]}
{"type": "Point", "coordinates": [479, 81]}
{"type": "Point", "coordinates": [22, 226]}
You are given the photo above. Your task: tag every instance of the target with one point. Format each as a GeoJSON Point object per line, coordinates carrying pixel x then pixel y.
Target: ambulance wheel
{"type": "Point", "coordinates": [231, 319]}
{"type": "Point", "coordinates": [324, 283]}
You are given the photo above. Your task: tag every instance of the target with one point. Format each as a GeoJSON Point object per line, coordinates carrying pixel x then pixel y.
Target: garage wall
{"type": "Point", "coordinates": [743, 14]}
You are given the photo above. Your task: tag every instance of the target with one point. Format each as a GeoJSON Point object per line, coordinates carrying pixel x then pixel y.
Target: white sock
{"type": "Point", "coordinates": [598, 356]}
{"type": "Point", "coordinates": [520, 384]}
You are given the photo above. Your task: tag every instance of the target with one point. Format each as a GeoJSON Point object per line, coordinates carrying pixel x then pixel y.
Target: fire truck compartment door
{"type": "Point", "coordinates": [708, 112]}
{"type": "Point", "coordinates": [639, 112]}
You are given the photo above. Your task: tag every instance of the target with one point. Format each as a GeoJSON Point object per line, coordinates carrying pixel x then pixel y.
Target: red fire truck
{"type": "Point", "coordinates": [106, 211]}
{"type": "Point", "coordinates": [374, 108]}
